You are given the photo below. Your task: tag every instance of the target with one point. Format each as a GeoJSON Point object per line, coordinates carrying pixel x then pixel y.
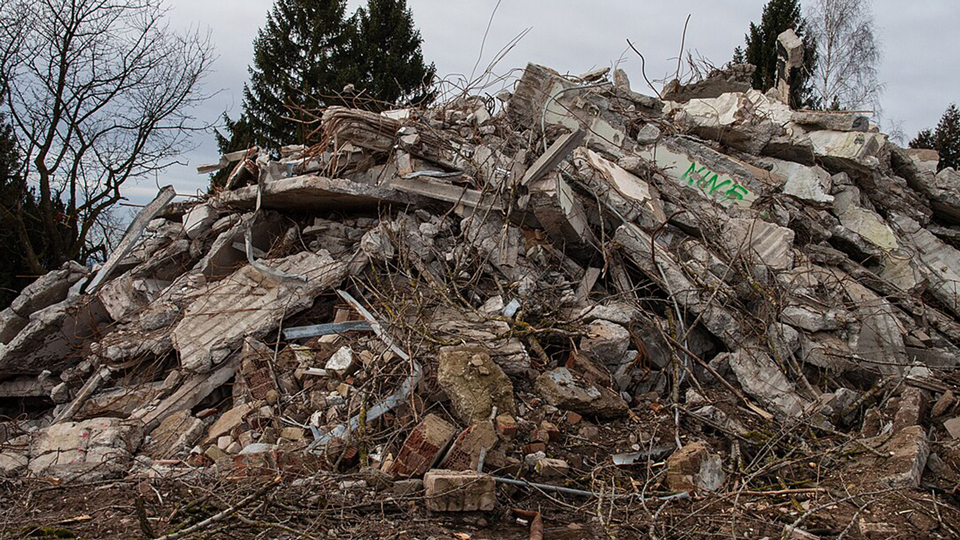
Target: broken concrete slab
{"type": "Point", "coordinates": [732, 78]}
{"type": "Point", "coordinates": [131, 237]}
{"type": "Point", "coordinates": [191, 392]}
{"type": "Point", "coordinates": [49, 289]}
{"type": "Point", "coordinates": [54, 337]}
{"type": "Point", "coordinates": [908, 450]}
{"type": "Point", "coordinates": [10, 325]}
{"type": "Point", "coordinates": [936, 261]}
{"type": "Point", "coordinates": [761, 242]}
{"type": "Point", "coordinates": [97, 449]}
{"type": "Point", "coordinates": [708, 173]}
{"type": "Point", "coordinates": [629, 195]}
{"type": "Point", "coordinates": [557, 152]}
{"type": "Point", "coordinates": [175, 434]}
{"type": "Point", "coordinates": [831, 120]}
{"type": "Point", "coordinates": [559, 211]}
{"type": "Point", "coordinates": [317, 193]}
{"type": "Point", "coordinates": [199, 219]}
{"type": "Point", "coordinates": [474, 383]}
{"type": "Point", "coordinates": [673, 279]}
{"type": "Point", "coordinates": [221, 314]}
{"type": "Point", "coordinates": [730, 119]}
{"type": "Point", "coordinates": [809, 184]}
{"type": "Point", "coordinates": [849, 151]}
{"type": "Point", "coordinates": [542, 94]}
{"type": "Point", "coordinates": [761, 378]}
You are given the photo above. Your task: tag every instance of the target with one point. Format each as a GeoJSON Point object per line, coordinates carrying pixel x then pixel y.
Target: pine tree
{"type": "Point", "coordinates": [300, 60]}
{"type": "Point", "coordinates": [945, 139]}
{"type": "Point", "coordinates": [388, 46]}
{"type": "Point", "coordinates": [239, 136]}
{"type": "Point", "coordinates": [779, 16]}
{"type": "Point", "coordinates": [16, 270]}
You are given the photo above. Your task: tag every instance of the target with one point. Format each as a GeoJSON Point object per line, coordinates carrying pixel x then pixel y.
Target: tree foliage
{"type": "Point", "coordinates": [300, 61]}
{"type": "Point", "coordinates": [308, 51]}
{"type": "Point", "coordinates": [387, 47]}
{"type": "Point", "coordinates": [945, 139]}
{"type": "Point", "coordinates": [16, 199]}
{"type": "Point", "coordinates": [849, 54]}
{"type": "Point", "coordinates": [98, 93]}
{"type": "Point", "coordinates": [761, 50]}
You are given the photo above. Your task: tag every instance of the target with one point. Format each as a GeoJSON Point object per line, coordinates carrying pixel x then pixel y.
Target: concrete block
{"type": "Point", "coordinates": [459, 491]}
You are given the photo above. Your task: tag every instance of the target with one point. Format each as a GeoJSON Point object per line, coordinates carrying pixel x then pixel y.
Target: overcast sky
{"type": "Point", "coordinates": [921, 65]}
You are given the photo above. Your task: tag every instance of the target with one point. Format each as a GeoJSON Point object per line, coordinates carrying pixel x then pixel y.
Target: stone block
{"type": "Point", "coordinates": [551, 468]}
{"type": "Point", "coordinates": [913, 405]}
{"type": "Point", "coordinates": [459, 491]}
{"type": "Point", "coordinates": [506, 426]}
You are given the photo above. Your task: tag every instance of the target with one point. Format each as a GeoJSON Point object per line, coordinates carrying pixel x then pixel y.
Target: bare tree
{"type": "Point", "coordinates": [849, 54]}
{"type": "Point", "coordinates": [99, 93]}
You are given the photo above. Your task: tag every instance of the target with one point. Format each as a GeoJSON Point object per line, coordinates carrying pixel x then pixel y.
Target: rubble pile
{"type": "Point", "coordinates": [572, 291]}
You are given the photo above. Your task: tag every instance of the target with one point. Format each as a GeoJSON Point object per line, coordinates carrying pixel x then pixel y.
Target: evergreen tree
{"type": "Point", "coordinates": [945, 139]}
{"type": "Point", "coordinates": [304, 56]}
{"type": "Point", "coordinates": [387, 44]}
{"type": "Point", "coordinates": [779, 16]}
{"type": "Point", "coordinates": [16, 270]}
{"type": "Point", "coordinates": [300, 60]}
{"type": "Point", "coordinates": [239, 136]}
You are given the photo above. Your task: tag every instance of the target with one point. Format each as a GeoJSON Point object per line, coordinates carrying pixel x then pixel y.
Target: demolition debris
{"type": "Point", "coordinates": [570, 293]}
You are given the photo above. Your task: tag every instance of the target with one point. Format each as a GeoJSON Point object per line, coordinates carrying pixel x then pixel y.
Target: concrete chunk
{"type": "Point", "coordinates": [760, 377]}
{"type": "Point", "coordinates": [222, 314]}
{"type": "Point", "coordinates": [459, 491]}
{"type": "Point", "coordinates": [47, 290]}
{"type": "Point", "coordinates": [694, 468]}
{"type": "Point", "coordinates": [474, 383]}
{"type": "Point", "coordinates": [10, 325]}
{"type": "Point", "coordinates": [560, 389]}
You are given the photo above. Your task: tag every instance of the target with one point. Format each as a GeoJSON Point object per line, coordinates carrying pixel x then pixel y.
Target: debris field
{"type": "Point", "coordinates": [567, 311]}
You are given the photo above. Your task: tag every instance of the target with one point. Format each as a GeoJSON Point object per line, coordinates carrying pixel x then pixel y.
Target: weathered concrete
{"type": "Point", "coordinates": [474, 384]}
{"type": "Point", "coordinates": [317, 194]}
{"type": "Point", "coordinates": [98, 448]}
{"type": "Point", "coordinates": [730, 119]}
{"type": "Point", "coordinates": [561, 389]}
{"type": "Point", "coordinates": [49, 289]}
{"type": "Point", "coordinates": [459, 491]}
{"type": "Point", "coordinates": [221, 314]}
{"type": "Point", "coordinates": [849, 151]}
{"type": "Point", "coordinates": [760, 377]}
{"type": "Point", "coordinates": [54, 337]}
